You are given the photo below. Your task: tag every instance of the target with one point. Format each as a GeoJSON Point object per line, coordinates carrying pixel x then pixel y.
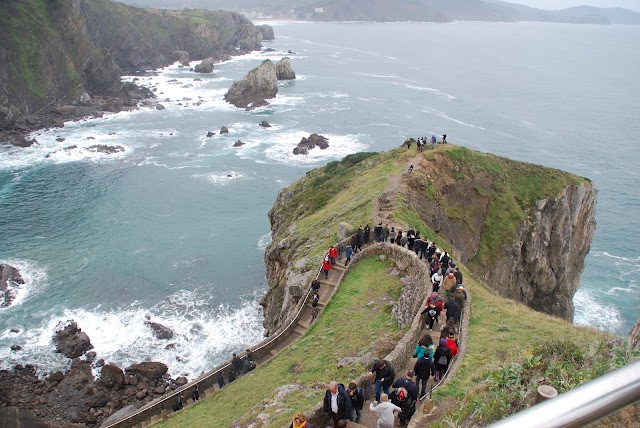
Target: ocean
{"type": "Point", "coordinates": [174, 228]}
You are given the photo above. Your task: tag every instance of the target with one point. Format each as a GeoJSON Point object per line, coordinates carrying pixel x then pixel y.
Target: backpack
{"type": "Point", "coordinates": [442, 360]}
{"type": "Point", "coordinates": [401, 393]}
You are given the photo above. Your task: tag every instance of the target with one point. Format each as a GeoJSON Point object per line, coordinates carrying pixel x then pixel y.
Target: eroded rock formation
{"type": "Point", "coordinates": [284, 71]}
{"type": "Point", "coordinates": [259, 85]}
{"type": "Point", "coordinates": [310, 143]}
{"type": "Point", "coordinates": [10, 279]}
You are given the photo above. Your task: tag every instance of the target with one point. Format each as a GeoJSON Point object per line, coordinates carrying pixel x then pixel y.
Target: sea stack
{"type": "Point", "coordinates": [259, 85]}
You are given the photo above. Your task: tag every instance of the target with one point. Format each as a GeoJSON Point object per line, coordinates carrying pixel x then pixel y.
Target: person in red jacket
{"type": "Point", "coordinates": [326, 267]}
{"type": "Point", "coordinates": [333, 255]}
{"type": "Point", "coordinates": [452, 342]}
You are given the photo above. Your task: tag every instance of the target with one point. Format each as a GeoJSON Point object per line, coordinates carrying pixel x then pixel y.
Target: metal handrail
{"type": "Point", "coordinates": [582, 405]}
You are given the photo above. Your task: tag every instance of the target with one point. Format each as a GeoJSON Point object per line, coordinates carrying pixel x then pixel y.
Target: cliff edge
{"type": "Point", "coordinates": [526, 229]}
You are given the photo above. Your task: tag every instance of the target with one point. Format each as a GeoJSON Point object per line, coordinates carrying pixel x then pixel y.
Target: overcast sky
{"type": "Point", "coordinates": [561, 4]}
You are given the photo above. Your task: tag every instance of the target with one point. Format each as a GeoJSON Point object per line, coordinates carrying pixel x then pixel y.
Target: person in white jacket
{"type": "Point", "coordinates": [385, 409]}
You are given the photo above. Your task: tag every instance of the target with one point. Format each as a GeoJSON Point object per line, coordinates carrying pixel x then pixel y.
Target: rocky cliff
{"type": "Point", "coordinates": [68, 52]}
{"type": "Point", "coordinates": [526, 229]}
{"type": "Point", "coordinates": [259, 85]}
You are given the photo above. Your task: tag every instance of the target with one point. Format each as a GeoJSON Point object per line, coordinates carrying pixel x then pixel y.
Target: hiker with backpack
{"type": "Point", "coordinates": [405, 395]}
{"type": "Point", "coordinates": [386, 411]}
{"type": "Point", "coordinates": [357, 401]}
{"type": "Point", "coordinates": [441, 359]}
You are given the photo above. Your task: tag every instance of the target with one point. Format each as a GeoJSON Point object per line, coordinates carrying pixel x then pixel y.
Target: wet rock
{"type": "Point", "coordinates": [284, 70]}
{"type": "Point", "coordinates": [16, 348]}
{"type": "Point", "coordinates": [103, 148]}
{"type": "Point", "coordinates": [60, 139]}
{"type": "Point", "coordinates": [265, 124]}
{"type": "Point", "coordinates": [237, 144]}
{"type": "Point", "coordinates": [290, 52]}
{"type": "Point", "coordinates": [210, 134]}
{"type": "Point", "coordinates": [56, 377]}
{"type": "Point", "coordinates": [71, 341]}
{"type": "Point", "coordinates": [10, 279]}
{"type": "Point", "coordinates": [170, 346]}
{"type": "Point", "coordinates": [310, 143]}
{"type": "Point", "coordinates": [160, 331]}
{"type": "Point", "coordinates": [160, 107]}
{"type": "Point", "coordinates": [99, 363]}
{"type": "Point", "coordinates": [112, 376]}
{"type": "Point", "coordinates": [150, 369]}
{"type": "Point", "coordinates": [182, 57]}
{"type": "Point", "coordinates": [255, 88]}
{"type": "Point", "coordinates": [205, 66]}
{"type": "Point", "coordinates": [224, 130]}
{"type": "Point", "coordinates": [141, 394]}
{"type": "Point", "coordinates": [269, 50]}
{"type": "Point", "coordinates": [90, 356]}
{"type": "Point", "coordinates": [120, 415]}
{"type": "Point", "coordinates": [181, 380]}
{"type": "Point", "coordinates": [159, 390]}
{"type": "Point", "coordinates": [15, 330]}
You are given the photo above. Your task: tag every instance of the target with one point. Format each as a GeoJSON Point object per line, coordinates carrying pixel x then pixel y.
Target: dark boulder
{"type": "Point", "coordinates": [255, 88]}
{"type": "Point", "coordinates": [269, 50]}
{"type": "Point", "coordinates": [182, 57]}
{"type": "Point", "coordinates": [265, 124]}
{"type": "Point", "coordinates": [310, 143]}
{"type": "Point", "coordinates": [71, 341]}
{"type": "Point", "coordinates": [238, 144]}
{"type": "Point", "coordinates": [210, 134]}
{"type": "Point", "coordinates": [160, 331]}
{"type": "Point", "coordinates": [103, 148]}
{"type": "Point", "coordinates": [224, 130]}
{"type": "Point", "coordinates": [10, 279]}
{"type": "Point", "coordinates": [150, 369]}
{"type": "Point", "coordinates": [60, 139]}
{"type": "Point", "coordinates": [112, 376]}
{"type": "Point", "coordinates": [284, 70]}
{"type": "Point", "coordinates": [205, 66]}
{"type": "Point", "coordinates": [16, 348]}
{"type": "Point", "coordinates": [159, 107]}
{"type": "Point", "coordinates": [290, 52]}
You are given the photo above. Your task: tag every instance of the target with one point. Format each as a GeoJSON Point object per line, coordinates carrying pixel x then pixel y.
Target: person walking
{"type": "Point", "coordinates": [333, 255]}
{"type": "Point", "coordinates": [195, 394]}
{"type": "Point", "coordinates": [386, 411]}
{"type": "Point", "coordinates": [348, 252]}
{"type": "Point", "coordinates": [357, 401]}
{"type": "Point", "coordinates": [337, 403]}
{"type": "Point", "coordinates": [326, 267]}
{"type": "Point", "coordinates": [382, 374]}
{"type": "Point", "coordinates": [424, 369]}
{"type": "Point", "coordinates": [385, 233]}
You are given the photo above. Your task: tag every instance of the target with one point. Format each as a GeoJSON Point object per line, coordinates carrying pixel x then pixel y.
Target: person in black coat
{"type": "Point", "coordinates": [424, 370]}
{"type": "Point", "coordinates": [357, 401]}
{"type": "Point", "coordinates": [337, 403]}
{"type": "Point", "coordinates": [383, 375]}
{"type": "Point", "coordinates": [453, 309]}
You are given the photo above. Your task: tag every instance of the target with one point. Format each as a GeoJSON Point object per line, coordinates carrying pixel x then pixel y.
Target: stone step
{"type": "Point", "coordinates": [299, 331]}
{"type": "Point", "coordinates": [304, 324]}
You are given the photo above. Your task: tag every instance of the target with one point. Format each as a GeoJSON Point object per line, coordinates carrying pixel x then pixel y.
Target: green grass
{"type": "Point", "coordinates": [314, 357]}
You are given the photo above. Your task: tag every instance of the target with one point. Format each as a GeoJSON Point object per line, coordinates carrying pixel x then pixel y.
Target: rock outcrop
{"type": "Point", "coordinates": [10, 279]}
{"type": "Point", "coordinates": [284, 71]}
{"type": "Point", "coordinates": [148, 369]}
{"type": "Point", "coordinates": [205, 66]}
{"type": "Point", "coordinates": [542, 267]}
{"type": "Point", "coordinates": [259, 85]}
{"type": "Point", "coordinates": [267, 32]}
{"type": "Point", "coordinates": [71, 341]}
{"type": "Point", "coordinates": [310, 143]}
{"type": "Point", "coordinates": [182, 57]}
{"type": "Point", "coordinates": [160, 331]}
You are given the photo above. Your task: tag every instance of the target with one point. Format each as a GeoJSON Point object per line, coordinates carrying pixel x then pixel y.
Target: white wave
{"type": "Point", "coordinates": [35, 280]}
{"type": "Point", "coordinates": [385, 76]}
{"type": "Point", "coordinates": [594, 311]}
{"type": "Point", "coordinates": [424, 89]}
{"type": "Point", "coordinates": [613, 256]}
{"type": "Point", "coordinates": [282, 144]}
{"type": "Point", "coordinates": [445, 116]}
{"type": "Point", "coordinates": [203, 335]}
{"type": "Point", "coordinates": [222, 178]}
{"type": "Point", "coordinates": [264, 241]}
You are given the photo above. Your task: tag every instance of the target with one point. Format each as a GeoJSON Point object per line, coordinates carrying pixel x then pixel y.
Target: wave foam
{"type": "Point", "coordinates": [204, 335]}
{"type": "Point", "coordinates": [281, 150]}
{"type": "Point", "coordinates": [264, 241]}
{"type": "Point", "coordinates": [222, 178]}
{"type": "Point", "coordinates": [595, 312]}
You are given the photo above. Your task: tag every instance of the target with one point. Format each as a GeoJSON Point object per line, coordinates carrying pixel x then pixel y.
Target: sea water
{"type": "Point", "coordinates": [174, 227]}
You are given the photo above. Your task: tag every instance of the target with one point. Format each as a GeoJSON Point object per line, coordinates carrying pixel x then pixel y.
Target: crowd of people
{"type": "Point", "coordinates": [422, 142]}
{"type": "Point", "coordinates": [399, 395]}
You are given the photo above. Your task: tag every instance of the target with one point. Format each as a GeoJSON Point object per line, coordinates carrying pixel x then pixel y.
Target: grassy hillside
{"type": "Point", "coordinates": [313, 359]}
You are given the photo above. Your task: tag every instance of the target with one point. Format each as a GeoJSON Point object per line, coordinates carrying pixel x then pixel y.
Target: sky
{"type": "Point", "coordinates": [561, 4]}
